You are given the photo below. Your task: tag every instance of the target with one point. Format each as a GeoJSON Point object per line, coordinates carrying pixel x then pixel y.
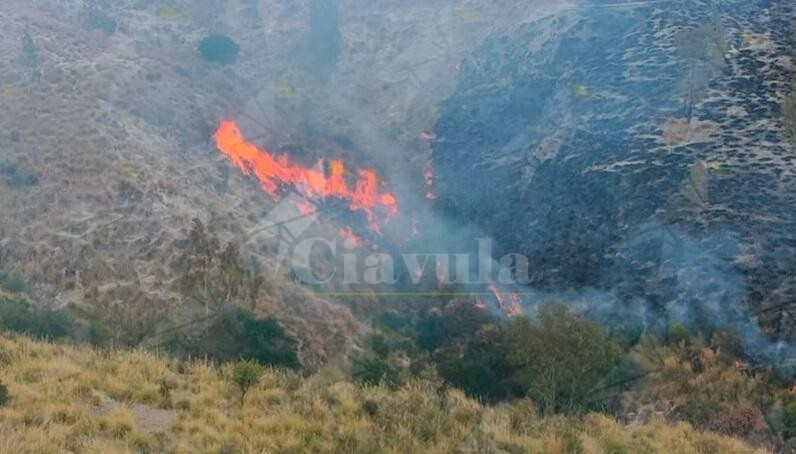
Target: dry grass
{"type": "Point", "coordinates": [75, 399]}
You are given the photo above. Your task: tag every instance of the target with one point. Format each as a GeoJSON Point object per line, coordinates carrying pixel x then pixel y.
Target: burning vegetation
{"type": "Point", "coordinates": [277, 172]}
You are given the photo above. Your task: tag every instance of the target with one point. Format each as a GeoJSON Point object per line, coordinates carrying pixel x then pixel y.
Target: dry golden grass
{"type": "Point", "coordinates": [75, 399]}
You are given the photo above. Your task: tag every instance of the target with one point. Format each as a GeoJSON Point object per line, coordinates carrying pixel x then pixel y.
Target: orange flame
{"type": "Point", "coordinates": [274, 172]}
{"type": "Point", "coordinates": [494, 289]}
{"type": "Point", "coordinates": [515, 309]}
{"type": "Point", "coordinates": [479, 304]}
{"type": "Point", "coordinates": [512, 309]}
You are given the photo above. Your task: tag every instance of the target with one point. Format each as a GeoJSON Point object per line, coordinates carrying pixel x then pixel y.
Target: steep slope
{"type": "Point", "coordinates": [623, 155]}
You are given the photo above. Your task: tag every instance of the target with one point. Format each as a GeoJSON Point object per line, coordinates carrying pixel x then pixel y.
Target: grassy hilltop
{"type": "Point", "coordinates": [76, 399]}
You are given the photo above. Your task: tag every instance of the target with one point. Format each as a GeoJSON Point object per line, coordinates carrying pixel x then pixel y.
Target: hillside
{"type": "Point", "coordinates": [75, 399]}
{"type": "Point", "coordinates": [500, 226]}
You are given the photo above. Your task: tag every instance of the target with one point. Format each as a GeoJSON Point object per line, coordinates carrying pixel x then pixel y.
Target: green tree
{"type": "Point", "coordinates": [559, 360]}
{"type": "Point", "coordinates": [246, 374]}
{"type": "Point", "coordinates": [455, 324]}
{"type": "Point", "coordinates": [483, 370]}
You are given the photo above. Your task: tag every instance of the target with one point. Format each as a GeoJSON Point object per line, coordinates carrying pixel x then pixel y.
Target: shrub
{"type": "Point", "coordinates": [372, 371]}
{"type": "Point", "coordinates": [237, 335]}
{"type": "Point", "coordinates": [3, 394]}
{"type": "Point", "coordinates": [789, 419]}
{"type": "Point", "coordinates": [13, 284]}
{"type": "Point", "coordinates": [371, 407]}
{"type": "Point", "coordinates": [17, 316]}
{"type": "Point", "coordinates": [246, 374]}
{"type": "Point", "coordinates": [560, 360]}
{"type": "Point", "coordinates": [458, 323]}
{"type": "Point", "coordinates": [219, 49]}
{"type": "Point", "coordinates": [473, 376]}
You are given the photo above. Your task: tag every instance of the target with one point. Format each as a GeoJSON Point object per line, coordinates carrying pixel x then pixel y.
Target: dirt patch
{"type": "Point", "coordinates": [679, 131]}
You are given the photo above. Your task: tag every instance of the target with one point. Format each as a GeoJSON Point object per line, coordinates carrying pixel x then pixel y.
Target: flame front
{"type": "Point", "coordinates": [275, 172]}
{"type": "Point", "coordinates": [513, 308]}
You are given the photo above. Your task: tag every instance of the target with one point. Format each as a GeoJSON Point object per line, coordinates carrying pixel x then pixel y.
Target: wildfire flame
{"type": "Point", "coordinates": [275, 172]}
{"type": "Point", "coordinates": [513, 308]}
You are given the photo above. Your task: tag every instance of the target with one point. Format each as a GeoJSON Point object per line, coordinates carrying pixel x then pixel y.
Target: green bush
{"type": "Point", "coordinates": [371, 407]}
{"type": "Point", "coordinates": [560, 360]}
{"type": "Point", "coordinates": [13, 284]}
{"type": "Point", "coordinates": [455, 325]}
{"type": "Point", "coordinates": [373, 371]}
{"type": "Point", "coordinates": [246, 374]}
{"type": "Point", "coordinates": [237, 335]}
{"type": "Point", "coordinates": [17, 316]}
{"type": "Point", "coordinates": [473, 376]}
{"type": "Point", "coordinates": [219, 49]}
